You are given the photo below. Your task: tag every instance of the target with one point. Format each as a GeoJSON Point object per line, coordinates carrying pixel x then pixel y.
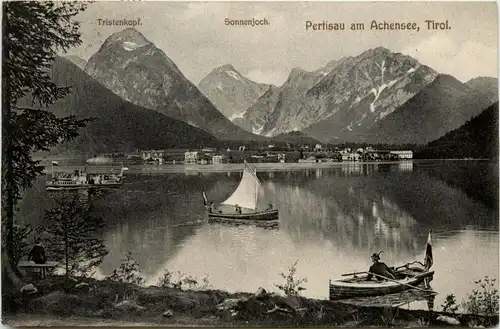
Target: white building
{"type": "Point", "coordinates": [191, 157]}
{"type": "Point", "coordinates": [403, 155]}
{"type": "Point", "coordinates": [217, 159]}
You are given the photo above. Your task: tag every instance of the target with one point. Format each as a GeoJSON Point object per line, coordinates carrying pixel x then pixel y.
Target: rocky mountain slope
{"type": "Point", "coordinates": [344, 96]}
{"type": "Point", "coordinates": [440, 107]}
{"type": "Point", "coordinates": [360, 91]}
{"type": "Point", "coordinates": [484, 86]}
{"type": "Point", "coordinates": [119, 125]}
{"type": "Point", "coordinates": [135, 69]}
{"type": "Point", "coordinates": [80, 62]}
{"type": "Point", "coordinates": [289, 113]}
{"type": "Point", "coordinates": [229, 91]}
{"type": "Point", "coordinates": [256, 116]}
{"type": "Point", "coordinates": [296, 138]}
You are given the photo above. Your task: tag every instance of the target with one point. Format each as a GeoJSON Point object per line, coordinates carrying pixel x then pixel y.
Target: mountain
{"type": "Point", "coordinates": [229, 91]}
{"type": "Point", "coordinates": [477, 138]}
{"type": "Point", "coordinates": [290, 112]}
{"type": "Point", "coordinates": [119, 125]}
{"type": "Point", "coordinates": [80, 62]}
{"type": "Point", "coordinates": [256, 116]}
{"type": "Point", "coordinates": [135, 69]}
{"type": "Point", "coordinates": [443, 105]}
{"type": "Point", "coordinates": [296, 138]}
{"type": "Point", "coordinates": [485, 87]}
{"type": "Point", "coordinates": [360, 91]}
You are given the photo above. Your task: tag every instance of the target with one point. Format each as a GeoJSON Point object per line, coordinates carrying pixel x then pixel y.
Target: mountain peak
{"type": "Point", "coordinates": [227, 67]}
{"type": "Point", "coordinates": [129, 37]}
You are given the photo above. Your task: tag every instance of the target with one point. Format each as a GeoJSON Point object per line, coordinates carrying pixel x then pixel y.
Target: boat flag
{"type": "Point", "coordinates": [54, 163]}
{"type": "Point", "coordinates": [428, 253]}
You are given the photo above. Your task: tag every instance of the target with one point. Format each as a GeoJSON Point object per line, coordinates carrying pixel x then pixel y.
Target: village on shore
{"type": "Point", "coordinates": [269, 154]}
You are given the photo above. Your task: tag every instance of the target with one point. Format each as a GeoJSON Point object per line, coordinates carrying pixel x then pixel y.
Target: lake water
{"type": "Point", "coordinates": [332, 218]}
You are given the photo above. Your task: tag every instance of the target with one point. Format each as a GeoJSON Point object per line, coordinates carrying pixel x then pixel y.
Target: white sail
{"type": "Point", "coordinates": [247, 193]}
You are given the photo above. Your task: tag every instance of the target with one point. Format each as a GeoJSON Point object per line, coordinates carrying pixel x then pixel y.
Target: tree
{"type": "Point", "coordinates": [21, 246]}
{"type": "Point", "coordinates": [72, 240]}
{"type": "Point", "coordinates": [33, 33]}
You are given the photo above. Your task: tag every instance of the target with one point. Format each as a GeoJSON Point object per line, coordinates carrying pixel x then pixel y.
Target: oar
{"type": "Point", "coordinates": [406, 284]}
{"type": "Point", "coordinates": [410, 264]}
{"type": "Point", "coordinates": [353, 273]}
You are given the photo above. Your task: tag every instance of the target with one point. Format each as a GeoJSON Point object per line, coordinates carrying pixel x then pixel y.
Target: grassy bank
{"type": "Point", "coordinates": [115, 303]}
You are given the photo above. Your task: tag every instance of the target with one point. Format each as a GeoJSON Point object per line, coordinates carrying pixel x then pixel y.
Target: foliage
{"type": "Point", "coordinates": [477, 138]}
{"type": "Point", "coordinates": [72, 237]}
{"type": "Point", "coordinates": [291, 286]}
{"type": "Point", "coordinates": [128, 272]}
{"type": "Point", "coordinates": [450, 304]}
{"type": "Point", "coordinates": [33, 131]}
{"type": "Point", "coordinates": [483, 300]}
{"type": "Point", "coordinates": [31, 48]}
{"type": "Point", "coordinates": [21, 245]}
{"type": "Point", "coordinates": [33, 33]}
{"type": "Point", "coordinates": [183, 281]}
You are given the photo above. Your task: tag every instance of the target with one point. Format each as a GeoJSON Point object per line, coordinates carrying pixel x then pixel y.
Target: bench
{"type": "Point", "coordinates": [37, 270]}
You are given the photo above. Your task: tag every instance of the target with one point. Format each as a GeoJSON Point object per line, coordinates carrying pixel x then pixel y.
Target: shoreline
{"type": "Point", "coordinates": [232, 167]}
{"type": "Point", "coordinates": [106, 303]}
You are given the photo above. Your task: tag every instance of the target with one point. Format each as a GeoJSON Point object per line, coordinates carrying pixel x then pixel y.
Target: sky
{"type": "Point", "coordinates": [194, 34]}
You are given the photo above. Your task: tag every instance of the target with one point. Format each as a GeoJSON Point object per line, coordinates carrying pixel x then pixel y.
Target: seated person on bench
{"type": "Point", "coordinates": [37, 253]}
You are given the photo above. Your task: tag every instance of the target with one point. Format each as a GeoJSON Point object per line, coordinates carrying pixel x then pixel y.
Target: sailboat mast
{"type": "Point", "coordinates": [256, 190]}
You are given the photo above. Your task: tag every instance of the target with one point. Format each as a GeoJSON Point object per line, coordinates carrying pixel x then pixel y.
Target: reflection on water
{"type": "Point", "coordinates": [331, 220]}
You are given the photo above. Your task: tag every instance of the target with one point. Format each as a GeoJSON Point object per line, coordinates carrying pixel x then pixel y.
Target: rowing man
{"type": "Point", "coordinates": [379, 268]}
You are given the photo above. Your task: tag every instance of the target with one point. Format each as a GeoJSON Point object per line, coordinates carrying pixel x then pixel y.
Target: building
{"type": "Point", "coordinates": [349, 156]}
{"type": "Point", "coordinates": [174, 158]}
{"type": "Point", "coordinates": [152, 154]}
{"type": "Point", "coordinates": [282, 157]}
{"type": "Point", "coordinates": [191, 157]}
{"type": "Point", "coordinates": [317, 147]}
{"type": "Point", "coordinates": [242, 148]}
{"type": "Point", "coordinates": [209, 149]}
{"type": "Point", "coordinates": [403, 155]}
{"type": "Point", "coordinates": [217, 159]}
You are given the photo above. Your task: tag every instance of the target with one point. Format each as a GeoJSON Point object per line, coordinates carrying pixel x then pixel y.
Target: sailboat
{"type": "Point", "coordinates": [243, 201]}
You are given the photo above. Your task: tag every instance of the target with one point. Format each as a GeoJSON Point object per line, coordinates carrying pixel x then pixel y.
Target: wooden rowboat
{"type": "Point", "coordinates": [406, 277]}
{"type": "Point", "coordinates": [358, 286]}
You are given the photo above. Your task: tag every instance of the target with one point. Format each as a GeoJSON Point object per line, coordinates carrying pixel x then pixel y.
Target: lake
{"type": "Point", "coordinates": [332, 218]}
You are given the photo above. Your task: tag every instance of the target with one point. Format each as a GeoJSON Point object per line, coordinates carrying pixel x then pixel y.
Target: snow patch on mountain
{"type": "Point", "coordinates": [258, 131]}
{"type": "Point", "coordinates": [130, 46]}
{"type": "Point", "coordinates": [235, 116]}
{"type": "Point", "coordinates": [378, 90]}
{"type": "Point", "coordinates": [233, 74]}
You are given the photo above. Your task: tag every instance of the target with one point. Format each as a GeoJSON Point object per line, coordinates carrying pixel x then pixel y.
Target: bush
{"type": "Point", "coordinates": [183, 281]}
{"type": "Point", "coordinates": [292, 286]}
{"type": "Point", "coordinates": [483, 300]}
{"type": "Point", "coordinates": [128, 272]}
{"type": "Point", "coordinates": [450, 304]}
